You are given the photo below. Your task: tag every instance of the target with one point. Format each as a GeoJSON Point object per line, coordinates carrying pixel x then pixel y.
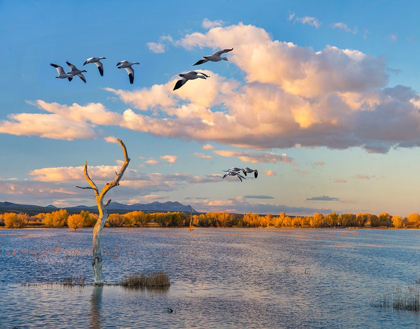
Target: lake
{"type": "Point", "coordinates": [220, 278]}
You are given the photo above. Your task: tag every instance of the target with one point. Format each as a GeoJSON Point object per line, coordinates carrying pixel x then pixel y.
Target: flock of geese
{"type": "Point", "coordinates": [191, 75]}
{"type": "Point", "coordinates": [184, 78]}
{"type": "Point", "coordinates": [235, 171]}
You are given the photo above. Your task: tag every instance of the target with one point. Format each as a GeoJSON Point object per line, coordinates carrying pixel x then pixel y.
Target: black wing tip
{"type": "Point", "coordinates": [70, 79]}
{"type": "Point", "coordinates": [131, 76]}
{"type": "Point", "coordinates": [101, 71]}
{"type": "Point", "coordinates": [53, 65]}
{"type": "Point", "coordinates": [85, 63]}
{"type": "Point", "coordinates": [178, 85]}
{"type": "Point", "coordinates": [200, 62]}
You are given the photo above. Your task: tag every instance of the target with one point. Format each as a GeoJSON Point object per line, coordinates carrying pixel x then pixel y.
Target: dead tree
{"type": "Point", "coordinates": [103, 214]}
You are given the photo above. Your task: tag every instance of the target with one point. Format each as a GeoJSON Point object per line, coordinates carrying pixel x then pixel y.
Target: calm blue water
{"type": "Point", "coordinates": [221, 278]}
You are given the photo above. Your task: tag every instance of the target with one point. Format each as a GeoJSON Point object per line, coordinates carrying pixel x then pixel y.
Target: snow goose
{"type": "Point", "coordinates": [127, 66]}
{"type": "Point", "coordinates": [216, 57]}
{"type": "Point", "coordinates": [249, 171]}
{"type": "Point", "coordinates": [234, 173]}
{"type": "Point", "coordinates": [97, 62]}
{"type": "Point", "coordinates": [75, 71]}
{"type": "Point", "coordinates": [192, 75]}
{"type": "Point", "coordinates": [61, 73]}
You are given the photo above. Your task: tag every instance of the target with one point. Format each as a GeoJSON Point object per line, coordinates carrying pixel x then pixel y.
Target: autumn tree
{"type": "Point", "coordinates": [103, 213]}
{"type": "Point", "coordinates": [75, 221]}
{"type": "Point", "coordinates": [13, 220]}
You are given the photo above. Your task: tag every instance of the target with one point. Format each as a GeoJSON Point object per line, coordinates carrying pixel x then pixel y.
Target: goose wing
{"type": "Point", "coordinates": [100, 67]}
{"type": "Point", "coordinates": [81, 76]}
{"type": "Point", "coordinates": [201, 61]}
{"type": "Point", "coordinates": [218, 53]}
{"type": "Point", "coordinates": [207, 76]}
{"type": "Point", "coordinates": [71, 66]}
{"type": "Point", "coordinates": [130, 72]}
{"type": "Point", "coordinates": [58, 68]}
{"type": "Point", "coordinates": [256, 173]}
{"type": "Point", "coordinates": [122, 62]}
{"type": "Point", "coordinates": [179, 84]}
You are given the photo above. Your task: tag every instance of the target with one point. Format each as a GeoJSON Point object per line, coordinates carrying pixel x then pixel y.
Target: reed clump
{"type": "Point", "coordinates": [409, 301]}
{"type": "Point", "coordinates": [142, 280]}
{"type": "Point", "coordinates": [74, 281]}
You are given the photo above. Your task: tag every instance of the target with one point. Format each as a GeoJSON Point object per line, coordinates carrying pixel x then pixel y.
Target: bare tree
{"type": "Point", "coordinates": [103, 214]}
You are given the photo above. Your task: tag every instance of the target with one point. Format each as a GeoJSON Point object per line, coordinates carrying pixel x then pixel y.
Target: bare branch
{"type": "Point", "coordinates": [85, 188]}
{"type": "Point", "coordinates": [118, 177]}
{"type": "Point", "coordinates": [107, 203]}
{"type": "Point", "coordinates": [90, 181]}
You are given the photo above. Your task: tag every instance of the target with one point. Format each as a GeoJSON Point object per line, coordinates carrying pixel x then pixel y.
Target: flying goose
{"type": "Point", "coordinates": [97, 62]}
{"type": "Point", "coordinates": [61, 73]}
{"type": "Point", "coordinates": [249, 170]}
{"type": "Point", "coordinates": [234, 169]}
{"type": "Point", "coordinates": [192, 75]}
{"type": "Point", "coordinates": [75, 71]}
{"type": "Point", "coordinates": [234, 173]}
{"type": "Point", "coordinates": [216, 57]}
{"type": "Point", "coordinates": [127, 66]}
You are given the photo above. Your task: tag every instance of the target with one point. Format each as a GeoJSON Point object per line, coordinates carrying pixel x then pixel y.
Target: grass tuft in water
{"type": "Point", "coordinates": [153, 280]}
{"type": "Point", "coordinates": [74, 281]}
{"type": "Point", "coordinates": [409, 300]}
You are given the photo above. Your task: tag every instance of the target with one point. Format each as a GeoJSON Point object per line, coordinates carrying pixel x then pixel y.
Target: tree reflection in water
{"type": "Point", "coordinates": [95, 307]}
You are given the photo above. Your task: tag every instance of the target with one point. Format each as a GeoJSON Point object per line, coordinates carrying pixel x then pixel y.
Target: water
{"type": "Point", "coordinates": [221, 278]}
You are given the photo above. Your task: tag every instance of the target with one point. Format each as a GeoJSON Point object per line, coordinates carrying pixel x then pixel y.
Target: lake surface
{"type": "Point", "coordinates": [221, 278]}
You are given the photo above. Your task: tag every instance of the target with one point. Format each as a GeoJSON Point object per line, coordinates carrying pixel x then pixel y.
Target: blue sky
{"type": "Point", "coordinates": [359, 51]}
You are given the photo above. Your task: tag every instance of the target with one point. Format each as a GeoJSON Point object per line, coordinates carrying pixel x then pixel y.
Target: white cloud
{"type": "Point", "coordinates": [207, 24]}
{"type": "Point", "coordinates": [308, 20]}
{"type": "Point", "coordinates": [208, 147]}
{"type": "Point", "coordinates": [111, 139]}
{"type": "Point", "coordinates": [155, 47]}
{"type": "Point", "coordinates": [343, 26]}
{"type": "Point", "coordinates": [256, 157]}
{"type": "Point", "coordinates": [270, 173]}
{"type": "Point", "coordinates": [340, 181]}
{"type": "Point", "coordinates": [169, 158]}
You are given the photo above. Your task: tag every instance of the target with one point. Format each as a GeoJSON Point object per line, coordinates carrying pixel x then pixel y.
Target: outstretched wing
{"type": "Point", "coordinates": [207, 76]}
{"type": "Point", "coordinates": [100, 67]}
{"type": "Point", "coordinates": [201, 61]}
{"type": "Point", "coordinates": [81, 76]}
{"type": "Point", "coordinates": [256, 173]}
{"type": "Point", "coordinates": [179, 84]}
{"type": "Point", "coordinates": [71, 66]}
{"type": "Point", "coordinates": [58, 68]}
{"type": "Point", "coordinates": [218, 53]}
{"type": "Point", "coordinates": [130, 72]}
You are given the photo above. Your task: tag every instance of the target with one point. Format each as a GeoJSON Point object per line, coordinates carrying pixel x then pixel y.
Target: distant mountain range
{"type": "Point", "coordinates": [113, 207]}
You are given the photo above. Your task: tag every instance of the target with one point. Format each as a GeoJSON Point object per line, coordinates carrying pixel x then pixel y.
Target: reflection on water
{"type": "Point", "coordinates": [229, 278]}
{"type": "Point", "coordinates": [95, 307]}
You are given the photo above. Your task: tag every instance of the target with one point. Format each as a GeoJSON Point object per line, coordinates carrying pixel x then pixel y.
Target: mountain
{"type": "Point", "coordinates": [113, 207]}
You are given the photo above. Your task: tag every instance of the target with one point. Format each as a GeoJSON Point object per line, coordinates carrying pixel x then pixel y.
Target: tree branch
{"type": "Point", "coordinates": [107, 203]}
{"type": "Point", "coordinates": [90, 181]}
{"type": "Point", "coordinates": [85, 188]}
{"type": "Point", "coordinates": [118, 177]}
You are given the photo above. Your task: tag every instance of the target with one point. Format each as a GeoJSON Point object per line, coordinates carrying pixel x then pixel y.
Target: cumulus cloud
{"type": "Point", "coordinates": [202, 156]}
{"type": "Point", "coordinates": [156, 47]}
{"type": "Point", "coordinates": [111, 139]}
{"type": "Point", "coordinates": [207, 24]}
{"type": "Point", "coordinates": [322, 198]}
{"type": "Point", "coordinates": [256, 157]}
{"type": "Point", "coordinates": [270, 173]}
{"type": "Point", "coordinates": [208, 147]}
{"type": "Point", "coordinates": [152, 162]}
{"type": "Point", "coordinates": [169, 158]}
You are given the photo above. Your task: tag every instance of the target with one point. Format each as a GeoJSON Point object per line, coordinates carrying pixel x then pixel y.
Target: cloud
{"type": "Point", "coordinates": [202, 156]}
{"type": "Point", "coordinates": [152, 162]}
{"type": "Point", "coordinates": [340, 181]}
{"type": "Point", "coordinates": [155, 47]}
{"type": "Point", "coordinates": [207, 24]}
{"type": "Point", "coordinates": [322, 198]}
{"type": "Point", "coordinates": [256, 157]}
{"type": "Point", "coordinates": [319, 164]}
{"type": "Point", "coordinates": [366, 177]}
{"type": "Point", "coordinates": [393, 37]}
{"type": "Point", "coordinates": [258, 197]}
{"type": "Point", "coordinates": [169, 158]}
{"type": "Point", "coordinates": [270, 173]}
{"type": "Point", "coordinates": [111, 139]}
{"type": "Point", "coordinates": [208, 147]}
{"type": "Point", "coordinates": [344, 27]}
{"type": "Point", "coordinates": [148, 198]}
{"type": "Point", "coordinates": [366, 33]}
{"type": "Point", "coordinates": [301, 172]}
{"type": "Point", "coordinates": [349, 201]}
{"type": "Point", "coordinates": [307, 20]}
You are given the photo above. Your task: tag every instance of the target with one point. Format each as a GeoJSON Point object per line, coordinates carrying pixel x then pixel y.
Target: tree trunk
{"type": "Point", "coordinates": [103, 215]}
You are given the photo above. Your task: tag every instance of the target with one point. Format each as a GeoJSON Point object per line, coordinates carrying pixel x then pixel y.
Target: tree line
{"type": "Point", "coordinates": [62, 218]}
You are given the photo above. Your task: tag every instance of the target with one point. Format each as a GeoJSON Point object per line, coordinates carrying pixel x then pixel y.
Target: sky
{"type": "Point", "coordinates": [322, 98]}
